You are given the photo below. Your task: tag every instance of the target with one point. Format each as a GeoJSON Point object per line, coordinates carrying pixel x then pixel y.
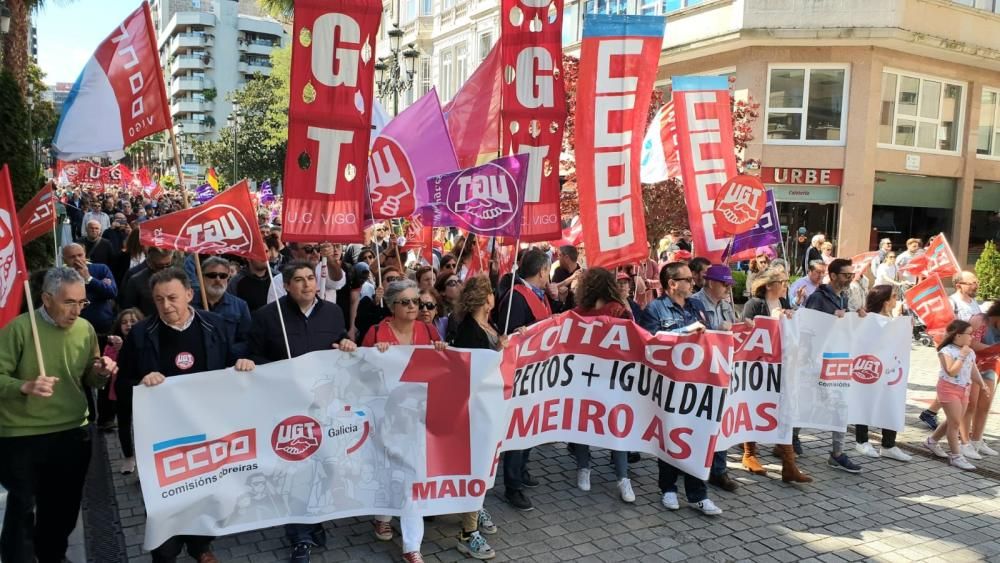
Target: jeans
{"type": "Point", "coordinates": [412, 528]}
{"type": "Point", "coordinates": [620, 460]}
{"type": "Point", "coordinates": [694, 488]}
{"type": "Point", "coordinates": [170, 549]}
{"type": "Point", "coordinates": [837, 440]}
{"type": "Point", "coordinates": [44, 478]}
{"type": "Point", "coordinates": [861, 436]}
{"type": "Point", "coordinates": [718, 464]}
{"type": "Point", "coordinates": [312, 534]}
{"type": "Point", "coordinates": [515, 464]}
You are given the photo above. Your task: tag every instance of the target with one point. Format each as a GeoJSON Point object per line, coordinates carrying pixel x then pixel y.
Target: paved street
{"type": "Point", "coordinates": [918, 511]}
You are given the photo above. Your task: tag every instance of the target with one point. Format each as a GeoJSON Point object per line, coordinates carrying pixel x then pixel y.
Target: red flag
{"type": "Point", "coordinates": [226, 224]}
{"type": "Point", "coordinates": [929, 301]}
{"type": "Point", "coordinates": [38, 216]}
{"type": "Point", "coordinates": [87, 173]}
{"type": "Point", "coordinates": [740, 204]}
{"type": "Point", "coordinates": [939, 259]}
{"type": "Point", "coordinates": [707, 155]}
{"type": "Point", "coordinates": [534, 107]}
{"type": "Point", "coordinates": [861, 262]}
{"type": "Point", "coordinates": [13, 272]}
{"type": "Point", "coordinates": [329, 119]}
{"type": "Point", "coordinates": [617, 67]}
{"type": "Point", "coordinates": [473, 115]}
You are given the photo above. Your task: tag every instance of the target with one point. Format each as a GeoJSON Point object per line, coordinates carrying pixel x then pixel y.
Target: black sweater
{"type": "Point", "coordinates": [320, 331]}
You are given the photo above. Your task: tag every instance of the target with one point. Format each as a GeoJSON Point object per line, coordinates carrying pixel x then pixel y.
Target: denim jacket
{"type": "Point", "coordinates": [665, 315]}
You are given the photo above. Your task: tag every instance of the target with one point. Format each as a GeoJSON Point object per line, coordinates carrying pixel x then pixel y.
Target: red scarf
{"type": "Point", "coordinates": [540, 308]}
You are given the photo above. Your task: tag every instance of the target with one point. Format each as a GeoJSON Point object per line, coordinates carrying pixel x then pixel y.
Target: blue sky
{"type": "Point", "coordinates": [69, 31]}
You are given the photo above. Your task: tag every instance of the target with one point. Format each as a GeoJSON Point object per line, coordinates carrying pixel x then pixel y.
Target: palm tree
{"type": "Point", "coordinates": [280, 9]}
{"type": "Point", "coordinates": [15, 44]}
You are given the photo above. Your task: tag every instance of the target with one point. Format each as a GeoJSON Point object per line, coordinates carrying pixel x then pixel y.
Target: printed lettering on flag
{"type": "Point", "coordinates": [940, 258]}
{"type": "Point", "coordinates": [119, 97]}
{"type": "Point", "coordinates": [929, 301]}
{"type": "Point", "coordinates": [329, 119]}
{"type": "Point", "coordinates": [38, 216]}
{"type": "Point", "coordinates": [534, 106]}
{"type": "Point", "coordinates": [659, 149]}
{"type": "Point", "coordinates": [618, 65]}
{"type": "Point", "coordinates": [87, 173]}
{"type": "Point", "coordinates": [707, 155]}
{"type": "Point", "coordinates": [224, 225]}
{"type": "Point", "coordinates": [13, 271]}
{"type": "Point", "coordinates": [740, 204]}
{"type": "Point", "coordinates": [860, 262]}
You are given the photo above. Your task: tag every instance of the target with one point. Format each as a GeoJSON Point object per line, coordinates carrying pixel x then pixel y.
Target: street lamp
{"type": "Point", "coordinates": [392, 78]}
{"type": "Point", "coordinates": [234, 121]}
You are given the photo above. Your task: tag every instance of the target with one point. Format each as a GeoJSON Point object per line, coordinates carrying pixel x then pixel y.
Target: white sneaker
{"type": "Point", "coordinates": [896, 454]}
{"type": "Point", "coordinates": [708, 507]}
{"type": "Point", "coordinates": [866, 450]}
{"type": "Point", "coordinates": [669, 501]}
{"type": "Point", "coordinates": [969, 451]}
{"type": "Point", "coordinates": [625, 486]}
{"type": "Point", "coordinates": [935, 448]}
{"type": "Point", "coordinates": [583, 479]}
{"type": "Point", "coordinates": [983, 449]}
{"type": "Point", "coordinates": [128, 466]}
{"type": "Point", "coordinates": [960, 462]}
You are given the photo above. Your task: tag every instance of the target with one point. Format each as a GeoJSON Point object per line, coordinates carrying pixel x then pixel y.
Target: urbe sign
{"type": "Point", "coordinates": [329, 118]}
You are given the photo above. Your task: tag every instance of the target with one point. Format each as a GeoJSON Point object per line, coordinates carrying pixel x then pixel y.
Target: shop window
{"type": "Point", "coordinates": [920, 112]}
{"type": "Point", "coordinates": [806, 105]}
{"type": "Point", "coordinates": [989, 124]}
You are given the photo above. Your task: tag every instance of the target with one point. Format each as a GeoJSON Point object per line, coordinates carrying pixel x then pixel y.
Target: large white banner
{"type": "Point", "coordinates": [326, 435]}
{"type": "Point", "coordinates": [849, 370]}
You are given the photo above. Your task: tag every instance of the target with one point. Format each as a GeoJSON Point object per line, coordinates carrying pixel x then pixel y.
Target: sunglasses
{"type": "Point", "coordinates": [217, 275]}
{"type": "Point", "coordinates": [448, 266]}
{"type": "Point", "coordinates": [453, 283]}
{"type": "Point", "coordinates": [409, 302]}
{"type": "Point", "coordinates": [427, 306]}
{"type": "Point", "coordinates": [390, 279]}
{"type": "Point", "coordinates": [309, 249]}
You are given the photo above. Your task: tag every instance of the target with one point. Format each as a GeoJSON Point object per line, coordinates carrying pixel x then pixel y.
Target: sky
{"type": "Point", "coordinates": [70, 30]}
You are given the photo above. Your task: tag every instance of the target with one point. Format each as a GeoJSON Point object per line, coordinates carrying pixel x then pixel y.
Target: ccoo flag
{"type": "Point", "coordinates": [119, 97]}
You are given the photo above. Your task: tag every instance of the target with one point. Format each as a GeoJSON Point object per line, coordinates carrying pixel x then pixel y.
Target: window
{"type": "Point", "coordinates": [426, 7]}
{"type": "Point", "coordinates": [485, 44]}
{"type": "Point", "coordinates": [409, 9]}
{"type": "Point", "coordinates": [445, 79]}
{"type": "Point", "coordinates": [424, 75]}
{"type": "Point", "coordinates": [920, 112]}
{"type": "Point", "coordinates": [806, 105]}
{"type": "Point", "coordinates": [571, 24]}
{"type": "Point", "coordinates": [989, 124]}
{"type": "Point", "coordinates": [610, 7]}
{"type": "Point", "coordinates": [461, 66]}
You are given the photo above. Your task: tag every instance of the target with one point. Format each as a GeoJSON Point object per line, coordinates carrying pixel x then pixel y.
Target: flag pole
{"type": "Point", "coordinates": [187, 204]}
{"type": "Point", "coordinates": [277, 303]}
{"type": "Point", "coordinates": [513, 283]}
{"type": "Point", "coordinates": [34, 328]}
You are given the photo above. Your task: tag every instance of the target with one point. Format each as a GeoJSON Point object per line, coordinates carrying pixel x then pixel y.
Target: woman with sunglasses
{"type": "Point", "coordinates": [403, 328]}
{"type": "Point", "coordinates": [449, 287]}
{"type": "Point", "coordinates": [430, 311]}
{"type": "Point", "coordinates": [769, 291]}
{"type": "Point", "coordinates": [448, 263]}
{"type": "Point", "coordinates": [760, 263]}
{"type": "Point", "coordinates": [373, 308]}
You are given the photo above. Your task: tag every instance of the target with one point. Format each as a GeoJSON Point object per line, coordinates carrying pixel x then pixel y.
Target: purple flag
{"type": "Point", "coordinates": [766, 232]}
{"type": "Point", "coordinates": [485, 200]}
{"type": "Point", "coordinates": [266, 195]}
{"type": "Point", "coordinates": [410, 149]}
{"type": "Point", "coordinates": [204, 193]}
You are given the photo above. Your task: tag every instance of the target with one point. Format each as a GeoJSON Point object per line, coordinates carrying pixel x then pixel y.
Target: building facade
{"type": "Point", "coordinates": [209, 48]}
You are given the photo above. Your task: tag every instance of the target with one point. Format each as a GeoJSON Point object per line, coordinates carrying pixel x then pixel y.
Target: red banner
{"type": "Point", "coordinates": [13, 272]}
{"type": "Point", "coordinates": [38, 216]}
{"type": "Point", "coordinates": [329, 119]}
{"type": "Point", "coordinates": [87, 173]}
{"type": "Point", "coordinates": [534, 106]}
{"type": "Point", "coordinates": [618, 65]}
{"type": "Point", "coordinates": [707, 155]}
{"type": "Point", "coordinates": [226, 224]}
{"type": "Point", "coordinates": [929, 301]}
{"type": "Point", "coordinates": [938, 259]}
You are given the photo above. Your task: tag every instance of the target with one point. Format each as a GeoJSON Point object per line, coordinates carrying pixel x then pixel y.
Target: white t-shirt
{"type": "Point", "coordinates": [886, 274]}
{"type": "Point", "coordinates": [964, 311]}
{"type": "Point", "coordinates": [964, 375]}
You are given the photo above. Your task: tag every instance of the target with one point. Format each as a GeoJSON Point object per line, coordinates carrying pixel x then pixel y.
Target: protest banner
{"type": "Point", "coordinates": [756, 408]}
{"type": "Point", "coordinates": [618, 62]}
{"type": "Point", "coordinates": [850, 370]}
{"type": "Point", "coordinates": [329, 119]}
{"type": "Point", "coordinates": [85, 173]}
{"type": "Point", "coordinates": [707, 155]}
{"type": "Point", "coordinates": [342, 435]}
{"type": "Point", "coordinates": [38, 216]}
{"type": "Point", "coordinates": [533, 108]}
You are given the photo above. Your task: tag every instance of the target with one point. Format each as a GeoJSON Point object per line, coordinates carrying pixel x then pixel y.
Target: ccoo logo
{"type": "Point", "coordinates": [296, 438]}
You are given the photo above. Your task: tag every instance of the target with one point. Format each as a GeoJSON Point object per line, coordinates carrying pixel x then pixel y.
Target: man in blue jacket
{"type": "Point", "coordinates": [178, 340]}
{"type": "Point", "coordinates": [234, 310]}
{"type": "Point", "coordinates": [676, 312]}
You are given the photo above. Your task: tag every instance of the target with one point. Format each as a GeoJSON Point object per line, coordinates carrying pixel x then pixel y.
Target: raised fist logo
{"type": "Point", "coordinates": [390, 179]}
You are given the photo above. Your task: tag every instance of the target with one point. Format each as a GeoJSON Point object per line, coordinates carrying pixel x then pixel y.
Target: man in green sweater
{"type": "Point", "coordinates": [44, 441]}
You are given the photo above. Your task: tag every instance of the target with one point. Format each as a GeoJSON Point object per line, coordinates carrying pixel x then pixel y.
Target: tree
{"type": "Point", "coordinates": [279, 9]}
{"type": "Point", "coordinates": [988, 272]}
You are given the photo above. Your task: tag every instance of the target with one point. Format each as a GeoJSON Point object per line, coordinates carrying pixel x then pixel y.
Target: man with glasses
{"type": "Point", "coordinates": [44, 443]}
{"type": "Point", "coordinates": [234, 310]}
{"type": "Point", "coordinates": [832, 299]}
{"type": "Point", "coordinates": [805, 286]}
{"type": "Point", "coordinates": [137, 291]}
{"type": "Point", "coordinates": [312, 324]}
{"type": "Point", "coordinates": [676, 312]}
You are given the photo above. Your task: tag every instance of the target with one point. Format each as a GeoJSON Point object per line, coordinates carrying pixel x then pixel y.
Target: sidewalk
{"type": "Point", "coordinates": [918, 511]}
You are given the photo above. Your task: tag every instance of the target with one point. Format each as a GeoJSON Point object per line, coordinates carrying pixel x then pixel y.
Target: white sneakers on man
{"type": "Point", "coordinates": [708, 507]}
{"type": "Point", "coordinates": [896, 454]}
{"type": "Point", "coordinates": [583, 479]}
{"type": "Point", "coordinates": [625, 487]}
{"type": "Point", "coordinates": [983, 449]}
{"type": "Point", "coordinates": [969, 451]}
{"type": "Point", "coordinates": [669, 501]}
{"type": "Point", "coordinates": [866, 449]}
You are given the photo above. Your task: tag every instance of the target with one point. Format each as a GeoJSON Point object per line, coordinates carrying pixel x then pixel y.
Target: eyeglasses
{"type": "Point", "coordinates": [967, 283]}
{"type": "Point", "coordinates": [428, 306]}
{"type": "Point", "coordinates": [309, 249]}
{"type": "Point", "coordinates": [453, 283]}
{"type": "Point", "coordinates": [781, 281]}
{"type": "Point", "coordinates": [688, 279]}
{"type": "Point", "coordinates": [448, 266]}
{"type": "Point", "coordinates": [848, 273]}
{"type": "Point", "coordinates": [409, 302]}
{"type": "Point", "coordinates": [390, 279]}
{"type": "Point", "coordinates": [76, 304]}
{"type": "Point", "coordinates": [217, 275]}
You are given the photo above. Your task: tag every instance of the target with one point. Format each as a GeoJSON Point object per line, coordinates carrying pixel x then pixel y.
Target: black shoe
{"type": "Point", "coordinates": [724, 482]}
{"type": "Point", "coordinates": [634, 457]}
{"type": "Point", "coordinates": [518, 500]}
{"type": "Point", "coordinates": [108, 426]}
{"type": "Point", "coordinates": [796, 445]}
{"type": "Point", "coordinates": [300, 553]}
{"type": "Point", "coordinates": [528, 481]}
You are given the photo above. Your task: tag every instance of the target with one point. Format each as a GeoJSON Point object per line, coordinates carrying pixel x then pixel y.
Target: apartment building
{"type": "Point", "coordinates": [209, 48]}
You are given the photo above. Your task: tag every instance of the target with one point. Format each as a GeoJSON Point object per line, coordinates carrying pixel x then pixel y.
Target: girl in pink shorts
{"type": "Point", "coordinates": [958, 371]}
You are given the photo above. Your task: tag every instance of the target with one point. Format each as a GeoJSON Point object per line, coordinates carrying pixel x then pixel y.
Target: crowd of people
{"type": "Point", "coordinates": [141, 311]}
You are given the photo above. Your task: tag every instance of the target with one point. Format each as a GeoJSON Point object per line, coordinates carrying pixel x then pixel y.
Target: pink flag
{"type": "Point", "coordinates": [474, 113]}
{"type": "Point", "coordinates": [410, 149]}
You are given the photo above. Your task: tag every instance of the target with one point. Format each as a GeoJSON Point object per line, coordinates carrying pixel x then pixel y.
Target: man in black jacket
{"type": "Point", "coordinates": [177, 340]}
{"type": "Point", "coordinates": [136, 290]}
{"type": "Point", "coordinates": [311, 325]}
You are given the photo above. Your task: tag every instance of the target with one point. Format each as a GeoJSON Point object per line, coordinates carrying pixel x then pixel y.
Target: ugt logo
{"type": "Point", "coordinates": [296, 438]}
{"type": "Point", "coordinates": [839, 366]}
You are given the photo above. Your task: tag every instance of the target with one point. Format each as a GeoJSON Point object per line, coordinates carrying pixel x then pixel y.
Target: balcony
{"type": "Point", "coordinates": [182, 20]}
{"type": "Point", "coordinates": [191, 127]}
{"type": "Point", "coordinates": [191, 105]}
{"type": "Point", "coordinates": [250, 67]}
{"type": "Point", "coordinates": [179, 85]}
{"type": "Point", "coordinates": [258, 46]}
{"type": "Point", "coordinates": [191, 41]}
{"type": "Point", "coordinates": [184, 63]}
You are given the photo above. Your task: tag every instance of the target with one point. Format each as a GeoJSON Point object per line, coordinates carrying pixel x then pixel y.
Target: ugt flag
{"type": "Point", "coordinates": [38, 216]}
{"type": "Point", "coordinates": [485, 200]}
{"type": "Point", "coordinates": [119, 97]}
{"type": "Point", "coordinates": [225, 225]}
{"type": "Point", "coordinates": [766, 232]}
{"type": "Point", "coordinates": [13, 272]}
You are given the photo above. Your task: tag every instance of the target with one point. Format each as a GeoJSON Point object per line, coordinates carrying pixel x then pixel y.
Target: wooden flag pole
{"type": "Point", "coordinates": [34, 328]}
{"type": "Point", "coordinates": [187, 204]}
